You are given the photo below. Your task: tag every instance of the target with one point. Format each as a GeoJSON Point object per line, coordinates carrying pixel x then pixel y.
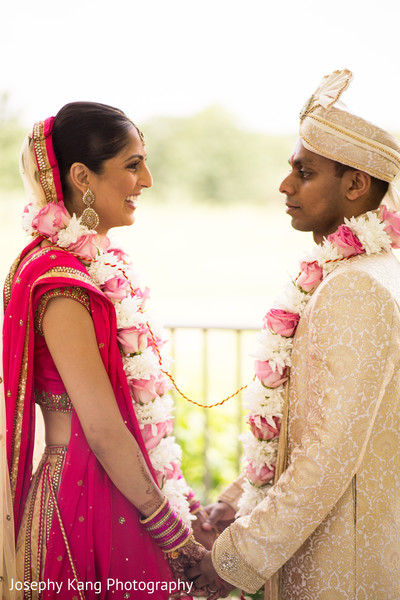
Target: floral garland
{"type": "Point", "coordinates": [371, 233]}
{"type": "Point", "coordinates": [139, 341]}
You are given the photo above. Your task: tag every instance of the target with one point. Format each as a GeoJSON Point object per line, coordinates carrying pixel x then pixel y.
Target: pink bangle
{"type": "Point", "coordinates": [167, 528]}
{"type": "Point", "coordinates": [194, 504]}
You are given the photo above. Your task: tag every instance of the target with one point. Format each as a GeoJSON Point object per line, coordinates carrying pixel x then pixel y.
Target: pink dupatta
{"type": "Point", "coordinates": [97, 544]}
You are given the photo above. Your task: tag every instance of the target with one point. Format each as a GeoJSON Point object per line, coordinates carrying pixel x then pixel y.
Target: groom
{"type": "Point", "coordinates": [329, 528]}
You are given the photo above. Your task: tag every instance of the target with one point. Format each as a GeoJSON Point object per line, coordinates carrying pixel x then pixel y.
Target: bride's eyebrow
{"type": "Point", "coordinates": [140, 156]}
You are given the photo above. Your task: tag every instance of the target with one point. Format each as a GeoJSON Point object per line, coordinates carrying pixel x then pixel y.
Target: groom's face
{"type": "Point", "coordinates": [314, 193]}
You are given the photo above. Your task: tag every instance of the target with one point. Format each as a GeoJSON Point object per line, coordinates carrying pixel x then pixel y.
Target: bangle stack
{"type": "Point", "coordinates": [167, 528]}
{"type": "Point", "coordinates": [194, 504]}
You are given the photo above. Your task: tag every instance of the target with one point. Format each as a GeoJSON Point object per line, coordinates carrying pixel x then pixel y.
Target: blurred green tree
{"type": "Point", "coordinates": [208, 158]}
{"type": "Point", "coordinates": [11, 137]}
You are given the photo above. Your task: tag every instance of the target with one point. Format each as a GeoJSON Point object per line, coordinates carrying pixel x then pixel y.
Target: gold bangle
{"type": "Point", "coordinates": [161, 521]}
{"type": "Point", "coordinates": [155, 513]}
{"type": "Point", "coordinates": [176, 536]}
{"type": "Point", "coordinates": [174, 552]}
{"type": "Point", "coordinates": [197, 510]}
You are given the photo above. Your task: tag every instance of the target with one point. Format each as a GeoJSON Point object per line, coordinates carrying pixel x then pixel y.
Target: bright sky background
{"type": "Point", "coordinates": [261, 59]}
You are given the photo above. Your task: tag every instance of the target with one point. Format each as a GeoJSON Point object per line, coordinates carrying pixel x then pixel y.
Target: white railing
{"type": "Point", "coordinates": [208, 375]}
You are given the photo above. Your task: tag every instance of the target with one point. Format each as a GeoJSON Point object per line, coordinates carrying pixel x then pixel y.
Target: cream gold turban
{"type": "Point", "coordinates": [333, 132]}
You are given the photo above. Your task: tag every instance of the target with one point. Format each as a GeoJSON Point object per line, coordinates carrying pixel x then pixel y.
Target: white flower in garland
{"type": "Point", "coordinates": [157, 411]}
{"type": "Point", "coordinates": [104, 268]}
{"type": "Point", "coordinates": [252, 496]}
{"type": "Point", "coordinates": [292, 300]}
{"type": "Point", "coordinates": [262, 401]}
{"type": "Point", "coordinates": [176, 491]}
{"type": "Point", "coordinates": [262, 452]}
{"type": "Point", "coordinates": [165, 454]}
{"type": "Point", "coordinates": [70, 234]}
{"type": "Point", "coordinates": [141, 366]}
{"type": "Point", "coordinates": [274, 347]}
{"type": "Point", "coordinates": [370, 231]}
{"type": "Point", "coordinates": [129, 313]}
{"type": "Point", "coordinates": [326, 256]}
{"type": "Point", "coordinates": [31, 211]}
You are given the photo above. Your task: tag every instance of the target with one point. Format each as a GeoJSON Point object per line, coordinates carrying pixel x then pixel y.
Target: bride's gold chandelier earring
{"type": "Point", "coordinates": [89, 217]}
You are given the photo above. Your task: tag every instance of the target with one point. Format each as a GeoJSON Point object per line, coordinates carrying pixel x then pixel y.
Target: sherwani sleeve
{"type": "Point", "coordinates": [352, 325]}
{"type": "Point", "coordinates": [231, 494]}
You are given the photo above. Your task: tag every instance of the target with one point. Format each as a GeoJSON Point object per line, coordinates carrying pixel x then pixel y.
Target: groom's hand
{"type": "Point", "coordinates": [220, 516]}
{"type": "Point", "coordinates": [204, 575]}
{"type": "Point", "coordinates": [206, 537]}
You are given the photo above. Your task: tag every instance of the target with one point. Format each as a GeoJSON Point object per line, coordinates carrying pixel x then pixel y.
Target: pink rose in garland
{"type": "Point", "coordinates": [146, 390]}
{"type": "Point", "coordinates": [270, 374]}
{"type": "Point", "coordinates": [310, 276]}
{"type": "Point", "coordinates": [259, 477]}
{"type": "Point", "coordinates": [120, 255]}
{"type": "Point", "coordinates": [280, 321]}
{"type": "Point", "coordinates": [85, 247]}
{"type": "Point", "coordinates": [172, 471]}
{"type": "Point", "coordinates": [115, 287]}
{"type": "Point", "coordinates": [263, 430]}
{"type": "Point", "coordinates": [391, 220]}
{"type": "Point", "coordinates": [159, 342]}
{"type": "Point", "coordinates": [50, 219]}
{"type": "Point", "coordinates": [133, 339]}
{"type": "Point", "coordinates": [144, 295]}
{"type": "Point", "coordinates": [154, 433]}
{"type": "Point", "coordinates": [346, 242]}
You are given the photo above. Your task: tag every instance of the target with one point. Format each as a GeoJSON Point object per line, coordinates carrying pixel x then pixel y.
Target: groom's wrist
{"type": "Point", "coordinates": [232, 493]}
{"type": "Point", "coordinates": [232, 567]}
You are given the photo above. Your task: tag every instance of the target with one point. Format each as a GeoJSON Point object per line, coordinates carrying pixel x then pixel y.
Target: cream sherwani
{"type": "Point", "coordinates": [332, 521]}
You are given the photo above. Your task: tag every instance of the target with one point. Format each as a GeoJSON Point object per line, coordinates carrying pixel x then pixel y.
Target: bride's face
{"type": "Point", "coordinates": [117, 189]}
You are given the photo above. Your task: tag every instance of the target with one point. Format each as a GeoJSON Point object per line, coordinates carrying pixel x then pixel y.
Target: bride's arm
{"type": "Point", "coordinates": [70, 336]}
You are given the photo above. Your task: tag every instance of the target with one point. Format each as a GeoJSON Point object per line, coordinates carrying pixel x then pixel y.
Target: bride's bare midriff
{"type": "Point", "coordinates": [57, 426]}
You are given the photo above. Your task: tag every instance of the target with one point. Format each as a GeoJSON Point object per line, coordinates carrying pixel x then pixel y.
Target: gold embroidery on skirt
{"type": "Point", "coordinates": [37, 519]}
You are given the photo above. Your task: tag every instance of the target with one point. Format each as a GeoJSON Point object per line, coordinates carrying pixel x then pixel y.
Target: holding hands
{"type": "Point", "coordinates": [215, 518]}
{"type": "Point", "coordinates": [205, 576]}
{"type": "Point", "coordinates": [194, 561]}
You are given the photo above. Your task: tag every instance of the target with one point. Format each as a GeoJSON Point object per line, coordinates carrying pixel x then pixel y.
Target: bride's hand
{"type": "Point", "coordinates": [185, 558]}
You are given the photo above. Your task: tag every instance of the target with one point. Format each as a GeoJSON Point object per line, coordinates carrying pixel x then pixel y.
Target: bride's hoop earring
{"type": "Point", "coordinates": [89, 217]}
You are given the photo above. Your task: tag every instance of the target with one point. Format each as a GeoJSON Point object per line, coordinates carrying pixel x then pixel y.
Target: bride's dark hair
{"type": "Point", "coordinates": [89, 133]}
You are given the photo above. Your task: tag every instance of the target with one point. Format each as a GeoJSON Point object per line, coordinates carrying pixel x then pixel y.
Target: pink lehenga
{"type": "Point", "coordinates": [87, 535]}
{"type": "Point", "coordinates": [7, 545]}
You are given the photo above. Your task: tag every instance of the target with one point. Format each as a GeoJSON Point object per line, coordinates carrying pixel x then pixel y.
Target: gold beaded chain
{"type": "Point", "coordinates": [166, 373]}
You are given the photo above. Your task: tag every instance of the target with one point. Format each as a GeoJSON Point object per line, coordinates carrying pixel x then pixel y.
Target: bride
{"type": "Point", "coordinates": [107, 505]}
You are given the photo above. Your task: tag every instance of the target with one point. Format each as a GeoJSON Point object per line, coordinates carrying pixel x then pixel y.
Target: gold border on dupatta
{"type": "Point", "coordinates": [17, 425]}
{"type": "Point", "coordinates": [9, 281]}
{"type": "Point", "coordinates": [45, 169]}
{"type": "Point", "coordinates": [71, 273]}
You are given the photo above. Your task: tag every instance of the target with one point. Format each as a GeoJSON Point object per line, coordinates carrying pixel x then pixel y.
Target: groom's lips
{"type": "Point", "coordinates": [291, 207]}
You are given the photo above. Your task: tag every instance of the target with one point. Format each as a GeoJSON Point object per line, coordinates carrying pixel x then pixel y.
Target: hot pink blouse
{"type": "Point", "coordinates": [50, 392]}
